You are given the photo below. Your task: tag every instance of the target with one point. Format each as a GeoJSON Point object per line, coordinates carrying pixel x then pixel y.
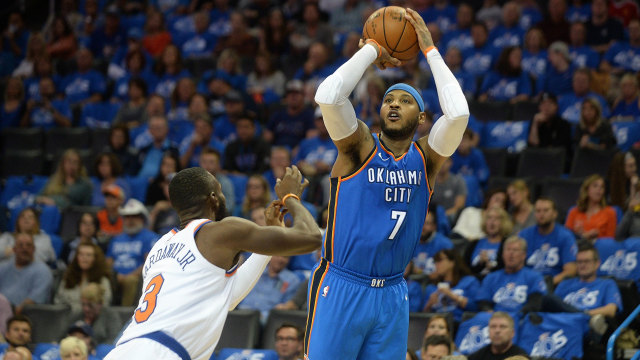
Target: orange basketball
{"type": "Point", "coordinates": [390, 29]}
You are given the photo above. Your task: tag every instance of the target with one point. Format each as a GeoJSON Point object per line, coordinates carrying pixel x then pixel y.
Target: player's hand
{"type": "Point", "coordinates": [291, 183]}
{"type": "Point", "coordinates": [274, 216]}
{"type": "Point", "coordinates": [424, 35]}
{"type": "Point", "coordinates": [384, 60]}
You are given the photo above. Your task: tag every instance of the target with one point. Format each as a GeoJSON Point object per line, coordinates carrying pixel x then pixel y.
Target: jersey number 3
{"type": "Point", "coordinates": [399, 217]}
{"type": "Point", "coordinates": [150, 298]}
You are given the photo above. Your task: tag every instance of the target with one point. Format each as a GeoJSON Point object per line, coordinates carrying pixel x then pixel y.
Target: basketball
{"type": "Point", "coordinates": [391, 30]}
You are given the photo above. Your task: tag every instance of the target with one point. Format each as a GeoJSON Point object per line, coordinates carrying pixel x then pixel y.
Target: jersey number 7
{"type": "Point", "coordinates": [150, 298]}
{"type": "Point", "coordinates": [399, 216]}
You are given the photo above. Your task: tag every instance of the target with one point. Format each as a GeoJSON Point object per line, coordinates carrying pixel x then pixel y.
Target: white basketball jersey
{"type": "Point", "coordinates": [184, 295]}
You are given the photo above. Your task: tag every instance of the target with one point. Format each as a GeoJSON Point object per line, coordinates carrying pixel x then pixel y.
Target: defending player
{"type": "Point", "coordinates": [191, 278]}
{"type": "Point", "coordinates": [380, 190]}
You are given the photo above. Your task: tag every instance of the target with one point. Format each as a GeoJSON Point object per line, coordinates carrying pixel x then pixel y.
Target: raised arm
{"type": "Point", "coordinates": [350, 135]}
{"type": "Point", "coordinates": [236, 235]}
{"type": "Point", "coordinates": [446, 133]}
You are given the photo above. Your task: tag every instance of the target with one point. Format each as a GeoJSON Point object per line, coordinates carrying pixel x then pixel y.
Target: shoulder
{"type": "Point", "coordinates": [609, 211]}
{"type": "Point", "coordinates": [565, 233]}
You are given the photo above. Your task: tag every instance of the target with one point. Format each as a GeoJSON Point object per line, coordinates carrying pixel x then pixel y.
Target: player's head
{"type": "Point", "coordinates": [195, 192]}
{"type": "Point", "coordinates": [402, 111]}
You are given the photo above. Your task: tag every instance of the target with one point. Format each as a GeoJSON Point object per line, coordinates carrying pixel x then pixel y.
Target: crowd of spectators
{"type": "Point", "coordinates": [229, 86]}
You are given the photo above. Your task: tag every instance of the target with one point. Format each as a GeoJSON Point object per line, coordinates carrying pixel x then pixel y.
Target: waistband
{"type": "Point", "coordinates": [168, 341]}
{"type": "Point", "coordinates": [364, 280]}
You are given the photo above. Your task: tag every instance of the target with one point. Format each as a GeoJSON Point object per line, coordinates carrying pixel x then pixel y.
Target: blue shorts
{"type": "Point", "coordinates": [352, 316]}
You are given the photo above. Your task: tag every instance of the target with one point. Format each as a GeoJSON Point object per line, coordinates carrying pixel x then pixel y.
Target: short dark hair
{"type": "Point", "coordinates": [435, 340]}
{"type": "Point", "coordinates": [210, 151]}
{"type": "Point", "coordinates": [189, 189]}
{"type": "Point", "coordinates": [19, 318]}
{"type": "Point", "coordinates": [299, 332]}
{"type": "Point", "coordinates": [546, 198]}
{"type": "Point", "coordinates": [587, 246]}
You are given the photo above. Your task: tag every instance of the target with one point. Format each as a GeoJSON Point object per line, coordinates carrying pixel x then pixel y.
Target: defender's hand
{"type": "Point", "coordinates": [273, 214]}
{"type": "Point", "coordinates": [291, 183]}
{"type": "Point", "coordinates": [384, 60]}
{"type": "Point", "coordinates": [424, 36]}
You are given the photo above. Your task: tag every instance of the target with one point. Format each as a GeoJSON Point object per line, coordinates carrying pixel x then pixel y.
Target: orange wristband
{"type": "Point", "coordinates": [369, 41]}
{"type": "Point", "coordinates": [290, 196]}
{"type": "Point", "coordinates": [429, 49]}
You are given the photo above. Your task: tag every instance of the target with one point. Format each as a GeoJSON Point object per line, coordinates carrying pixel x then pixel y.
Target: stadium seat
{"type": "Point", "coordinates": [510, 135]}
{"type": "Point", "coordinates": [627, 133]}
{"type": "Point", "coordinates": [123, 313]}
{"type": "Point", "coordinates": [99, 139]}
{"type": "Point", "coordinates": [98, 115]}
{"type": "Point", "coordinates": [22, 139]}
{"type": "Point", "coordinates": [277, 318]}
{"type": "Point", "coordinates": [57, 140]}
{"type": "Point", "coordinates": [490, 111]}
{"type": "Point", "coordinates": [50, 322]}
{"type": "Point", "coordinates": [524, 110]}
{"type": "Point", "coordinates": [587, 162]}
{"type": "Point", "coordinates": [70, 218]}
{"type": "Point", "coordinates": [496, 160]}
{"type": "Point", "coordinates": [563, 191]}
{"type": "Point", "coordinates": [417, 326]}
{"type": "Point", "coordinates": [241, 330]}
{"type": "Point", "coordinates": [22, 162]}
{"type": "Point", "coordinates": [540, 163]}
{"type": "Point", "coordinates": [138, 187]}
{"type": "Point", "coordinates": [629, 294]}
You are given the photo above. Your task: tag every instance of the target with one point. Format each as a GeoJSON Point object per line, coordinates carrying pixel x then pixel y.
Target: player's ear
{"type": "Point", "coordinates": [422, 117]}
{"type": "Point", "coordinates": [213, 200]}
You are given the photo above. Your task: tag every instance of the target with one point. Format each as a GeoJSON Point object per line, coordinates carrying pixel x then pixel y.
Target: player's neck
{"type": "Point", "coordinates": [396, 146]}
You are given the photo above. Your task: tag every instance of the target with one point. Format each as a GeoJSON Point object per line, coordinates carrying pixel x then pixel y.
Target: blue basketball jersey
{"type": "Point", "coordinates": [376, 214]}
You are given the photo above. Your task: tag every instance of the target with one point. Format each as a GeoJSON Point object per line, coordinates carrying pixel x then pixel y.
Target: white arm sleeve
{"type": "Point", "coordinates": [246, 277]}
{"type": "Point", "coordinates": [446, 133]}
{"type": "Point", "coordinates": [332, 94]}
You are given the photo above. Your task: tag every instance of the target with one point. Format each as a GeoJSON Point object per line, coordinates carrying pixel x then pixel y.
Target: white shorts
{"type": "Point", "coordinates": [142, 349]}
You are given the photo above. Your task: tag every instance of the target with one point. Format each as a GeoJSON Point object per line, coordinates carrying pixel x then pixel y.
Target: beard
{"type": "Point", "coordinates": [404, 132]}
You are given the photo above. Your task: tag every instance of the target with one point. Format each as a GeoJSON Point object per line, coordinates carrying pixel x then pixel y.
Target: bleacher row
{"type": "Point", "coordinates": [242, 330]}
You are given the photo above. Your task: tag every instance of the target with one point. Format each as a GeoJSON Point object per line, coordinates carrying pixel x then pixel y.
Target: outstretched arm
{"type": "Point", "coordinates": [349, 134]}
{"type": "Point", "coordinates": [446, 133]}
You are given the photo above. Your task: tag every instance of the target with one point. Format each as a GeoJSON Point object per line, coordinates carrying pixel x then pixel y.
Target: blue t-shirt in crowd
{"type": "Point", "coordinates": [491, 250]}
{"type": "Point", "coordinates": [467, 287]}
{"type": "Point", "coordinates": [81, 86]}
{"type": "Point", "coordinates": [43, 117]}
{"type": "Point", "coordinates": [478, 61]}
{"type": "Point", "coordinates": [556, 82]}
{"type": "Point", "coordinates": [584, 56]}
{"type": "Point", "coordinates": [623, 55]}
{"type": "Point", "coordinates": [502, 36]}
{"type": "Point", "coordinates": [624, 109]}
{"type": "Point", "coordinates": [504, 88]}
{"type": "Point", "coordinates": [473, 164]}
{"type": "Point", "coordinates": [128, 251]}
{"type": "Point", "coordinates": [459, 38]}
{"type": "Point", "coordinates": [589, 295]}
{"type": "Point", "coordinates": [549, 253]}
{"type": "Point", "coordinates": [509, 292]}
{"type": "Point", "coordinates": [570, 106]}
{"type": "Point", "coordinates": [423, 255]}
{"type": "Point", "coordinates": [535, 64]}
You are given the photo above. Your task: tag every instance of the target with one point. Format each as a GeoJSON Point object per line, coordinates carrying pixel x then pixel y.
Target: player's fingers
{"type": "Point", "coordinates": [361, 43]}
{"type": "Point", "coordinates": [395, 61]}
{"type": "Point", "coordinates": [305, 183]}
{"type": "Point", "coordinates": [296, 173]}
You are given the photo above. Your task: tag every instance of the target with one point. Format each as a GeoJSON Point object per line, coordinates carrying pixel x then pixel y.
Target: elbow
{"type": "Point", "coordinates": [329, 91]}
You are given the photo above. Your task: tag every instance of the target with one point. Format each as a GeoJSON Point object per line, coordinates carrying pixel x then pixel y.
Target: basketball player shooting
{"type": "Point", "coordinates": [191, 276]}
{"type": "Point", "coordinates": [380, 190]}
